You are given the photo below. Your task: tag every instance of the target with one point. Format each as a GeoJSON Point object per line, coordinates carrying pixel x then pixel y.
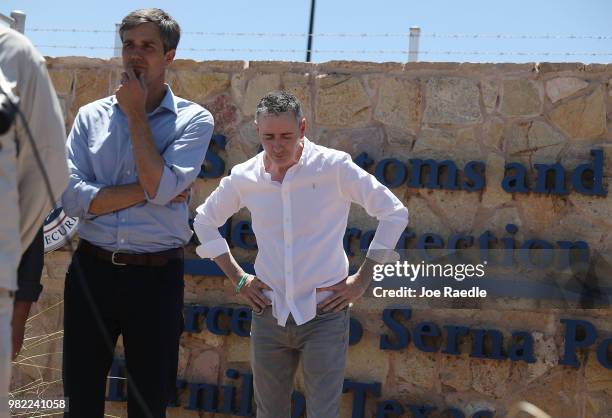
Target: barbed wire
{"type": "Point", "coordinates": [354, 35]}
{"type": "Point", "coordinates": [69, 30]}
{"type": "Point", "coordinates": [355, 51]}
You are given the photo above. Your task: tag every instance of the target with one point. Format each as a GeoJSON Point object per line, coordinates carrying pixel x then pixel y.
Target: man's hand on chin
{"type": "Point", "coordinates": [132, 93]}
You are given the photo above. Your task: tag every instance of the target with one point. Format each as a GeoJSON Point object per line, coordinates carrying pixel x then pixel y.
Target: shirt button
{"type": "Point", "coordinates": [122, 219]}
{"type": "Point", "coordinates": [128, 172]}
{"type": "Point", "coordinates": [122, 240]}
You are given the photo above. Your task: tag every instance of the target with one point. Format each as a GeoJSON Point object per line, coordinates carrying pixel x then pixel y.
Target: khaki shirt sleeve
{"type": "Point", "coordinates": [41, 108]}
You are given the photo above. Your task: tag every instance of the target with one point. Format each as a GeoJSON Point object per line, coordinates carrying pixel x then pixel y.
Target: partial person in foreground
{"type": "Point", "coordinates": [26, 200]}
{"type": "Point", "coordinates": [132, 159]}
{"type": "Point", "coordinates": [299, 195]}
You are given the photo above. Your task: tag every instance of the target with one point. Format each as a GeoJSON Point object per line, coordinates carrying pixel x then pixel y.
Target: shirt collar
{"type": "Point", "coordinates": [306, 151]}
{"type": "Point", "coordinates": [168, 102]}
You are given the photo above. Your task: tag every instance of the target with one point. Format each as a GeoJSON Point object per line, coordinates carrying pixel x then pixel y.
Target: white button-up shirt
{"type": "Point", "coordinates": [300, 223]}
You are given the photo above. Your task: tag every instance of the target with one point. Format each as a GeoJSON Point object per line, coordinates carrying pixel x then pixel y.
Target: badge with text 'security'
{"type": "Point", "coordinates": [58, 229]}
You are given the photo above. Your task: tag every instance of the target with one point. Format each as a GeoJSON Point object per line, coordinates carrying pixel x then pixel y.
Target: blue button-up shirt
{"type": "Point", "coordinates": [100, 155]}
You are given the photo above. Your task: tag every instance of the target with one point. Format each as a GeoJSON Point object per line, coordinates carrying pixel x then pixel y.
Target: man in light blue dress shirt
{"type": "Point", "coordinates": [132, 158]}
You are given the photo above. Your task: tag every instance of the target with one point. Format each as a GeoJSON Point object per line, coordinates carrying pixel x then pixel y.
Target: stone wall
{"type": "Point", "coordinates": [495, 113]}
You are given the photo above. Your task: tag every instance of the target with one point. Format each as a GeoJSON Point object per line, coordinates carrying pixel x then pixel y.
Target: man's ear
{"type": "Point", "coordinates": [170, 56]}
{"type": "Point", "coordinates": [302, 127]}
{"type": "Point", "coordinates": [256, 126]}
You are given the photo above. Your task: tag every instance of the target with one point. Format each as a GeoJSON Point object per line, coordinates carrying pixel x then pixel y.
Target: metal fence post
{"type": "Point", "coordinates": [413, 44]}
{"type": "Point", "coordinates": [118, 42]}
{"type": "Point", "coordinates": [19, 19]}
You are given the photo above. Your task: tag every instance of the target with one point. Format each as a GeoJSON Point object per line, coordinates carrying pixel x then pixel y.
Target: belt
{"type": "Point", "coordinates": [118, 258]}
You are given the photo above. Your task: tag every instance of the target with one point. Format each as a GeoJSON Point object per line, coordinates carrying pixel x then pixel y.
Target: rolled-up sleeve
{"type": "Point", "coordinates": [218, 207]}
{"type": "Point", "coordinates": [183, 159]}
{"type": "Point", "coordinates": [359, 186]}
{"type": "Point", "coordinates": [81, 188]}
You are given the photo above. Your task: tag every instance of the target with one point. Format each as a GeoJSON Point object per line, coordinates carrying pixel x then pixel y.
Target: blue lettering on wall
{"type": "Point", "coordinates": [435, 170]}
{"type": "Point", "coordinates": [241, 232]}
{"type": "Point", "coordinates": [401, 334]}
{"type": "Point", "coordinates": [213, 165]}
{"type": "Point", "coordinates": [425, 330]}
{"type": "Point", "coordinates": [391, 164]}
{"type": "Point", "coordinates": [388, 409]}
{"type": "Point", "coordinates": [478, 344]}
{"type": "Point", "coordinates": [516, 180]}
{"type": "Point", "coordinates": [524, 349]}
{"type": "Point", "coordinates": [604, 356]}
{"type": "Point", "coordinates": [355, 331]}
{"type": "Point", "coordinates": [550, 173]}
{"type": "Point", "coordinates": [237, 400]}
{"type": "Point", "coordinates": [212, 320]}
{"type": "Point", "coordinates": [474, 173]}
{"type": "Point", "coordinates": [452, 338]}
{"type": "Point", "coordinates": [591, 172]}
{"type": "Point", "coordinates": [578, 334]}
{"type": "Point", "coordinates": [586, 178]}
{"type": "Point", "coordinates": [360, 391]}
{"type": "Point", "coordinates": [298, 405]}
{"type": "Point", "coordinates": [363, 160]}
{"type": "Point", "coordinates": [421, 411]}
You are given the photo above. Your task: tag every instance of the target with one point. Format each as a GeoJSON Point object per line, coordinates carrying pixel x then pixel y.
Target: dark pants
{"type": "Point", "coordinates": [142, 303]}
{"type": "Point", "coordinates": [30, 270]}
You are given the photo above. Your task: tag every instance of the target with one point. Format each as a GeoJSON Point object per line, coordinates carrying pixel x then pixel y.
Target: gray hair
{"type": "Point", "coordinates": [169, 29]}
{"type": "Point", "coordinates": [277, 102]}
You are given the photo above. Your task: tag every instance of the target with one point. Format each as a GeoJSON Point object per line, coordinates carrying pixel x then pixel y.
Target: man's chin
{"type": "Point", "coordinates": [281, 162]}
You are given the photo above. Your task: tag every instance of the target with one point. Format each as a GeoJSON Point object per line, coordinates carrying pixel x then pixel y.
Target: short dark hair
{"type": "Point", "coordinates": [277, 102]}
{"type": "Point", "coordinates": [169, 29]}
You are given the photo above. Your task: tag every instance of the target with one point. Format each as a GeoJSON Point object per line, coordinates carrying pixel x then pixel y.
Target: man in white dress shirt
{"type": "Point", "coordinates": [299, 195]}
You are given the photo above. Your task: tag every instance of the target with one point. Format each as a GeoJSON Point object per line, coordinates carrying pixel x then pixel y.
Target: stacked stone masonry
{"type": "Point", "coordinates": [495, 113]}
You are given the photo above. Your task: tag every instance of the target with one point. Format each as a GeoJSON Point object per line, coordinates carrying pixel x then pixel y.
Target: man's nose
{"type": "Point", "coordinates": [277, 146]}
{"type": "Point", "coordinates": [134, 54]}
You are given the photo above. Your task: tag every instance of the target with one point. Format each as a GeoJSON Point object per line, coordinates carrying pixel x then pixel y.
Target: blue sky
{"type": "Point", "coordinates": [583, 19]}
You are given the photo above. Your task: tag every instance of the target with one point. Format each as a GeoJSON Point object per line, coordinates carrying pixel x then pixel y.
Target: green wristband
{"type": "Point", "coordinates": [242, 281]}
